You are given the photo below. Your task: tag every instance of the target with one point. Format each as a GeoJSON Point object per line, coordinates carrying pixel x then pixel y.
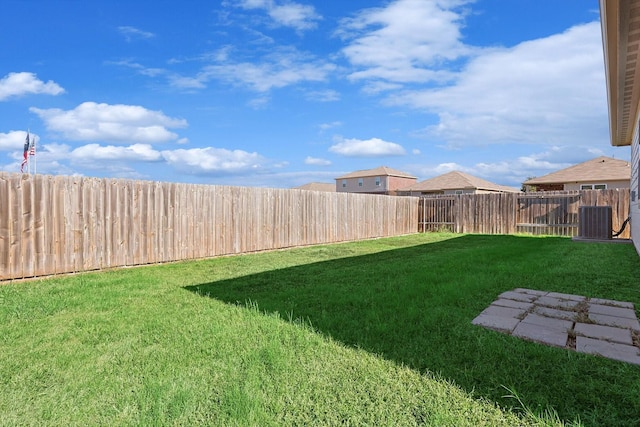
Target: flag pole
{"type": "Point", "coordinates": [29, 154]}
{"type": "Point", "coordinates": [35, 159]}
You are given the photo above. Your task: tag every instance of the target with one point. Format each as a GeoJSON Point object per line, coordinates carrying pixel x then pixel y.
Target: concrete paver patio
{"type": "Point", "coordinates": [588, 325]}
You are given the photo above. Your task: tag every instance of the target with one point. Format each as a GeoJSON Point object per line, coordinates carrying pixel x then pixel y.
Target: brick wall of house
{"type": "Point", "coordinates": [396, 182]}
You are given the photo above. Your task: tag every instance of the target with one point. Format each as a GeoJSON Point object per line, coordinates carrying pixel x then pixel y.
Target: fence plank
{"type": "Point", "coordinates": [6, 200]}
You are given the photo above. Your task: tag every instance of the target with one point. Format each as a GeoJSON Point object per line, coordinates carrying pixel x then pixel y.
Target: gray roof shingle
{"type": "Point", "coordinates": [379, 171]}
{"type": "Point", "coordinates": [598, 169]}
{"type": "Point", "coordinates": [456, 180]}
{"type": "Point", "coordinates": [318, 186]}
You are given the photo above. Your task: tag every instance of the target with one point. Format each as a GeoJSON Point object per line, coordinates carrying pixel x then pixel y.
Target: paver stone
{"type": "Point", "coordinates": [513, 304]}
{"type": "Point", "coordinates": [499, 323]}
{"type": "Point", "coordinates": [623, 322]}
{"type": "Point", "coordinates": [554, 312]}
{"type": "Point", "coordinates": [530, 291]}
{"type": "Point", "coordinates": [623, 352]}
{"type": "Point", "coordinates": [555, 337]}
{"type": "Point", "coordinates": [570, 297]}
{"type": "Point", "coordinates": [548, 322]}
{"type": "Point", "coordinates": [608, 333]}
{"type": "Point", "coordinates": [517, 296]}
{"type": "Point", "coordinates": [557, 302]}
{"type": "Point", "coordinates": [612, 311]}
{"type": "Point", "coordinates": [494, 310]}
{"type": "Point", "coordinates": [601, 301]}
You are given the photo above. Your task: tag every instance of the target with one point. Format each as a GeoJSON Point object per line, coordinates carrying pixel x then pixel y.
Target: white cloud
{"type": "Point", "coordinates": [538, 164]}
{"type": "Point", "coordinates": [118, 159]}
{"type": "Point", "coordinates": [327, 126]}
{"type": "Point", "coordinates": [405, 41]}
{"type": "Point", "coordinates": [430, 171]}
{"type": "Point", "coordinates": [13, 141]}
{"type": "Point", "coordinates": [135, 152]}
{"type": "Point", "coordinates": [286, 14]}
{"type": "Point", "coordinates": [315, 161]}
{"type": "Point", "coordinates": [131, 33]}
{"type": "Point", "coordinates": [188, 83]}
{"type": "Point", "coordinates": [17, 84]}
{"type": "Point", "coordinates": [373, 147]}
{"type": "Point", "coordinates": [277, 70]}
{"type": "Point", "coordinates": [280, 67]}
{"type": "Point", "coordinates": [91, 121]}
{"type": "Point", "coordinates": [141, 69]}
{"type": "Point", "coordinates": [211, 160]}
{"type": "Point", "coordinates": [259, 102]}
{"type": "Point", "coordinates": [254, 4]}
{"type": "Point", "coordinates": [295, 15]}
{"type": "Point", "coordinates": [443, 168]}
{"type": "Point", "coordinates": [55, 151]}
{"type": "Point", "coordinates": [549, 91]}
{"type": "Point", "coordinates": [375, 87]}
{"type": "Point", "coordinates": [323, 95]}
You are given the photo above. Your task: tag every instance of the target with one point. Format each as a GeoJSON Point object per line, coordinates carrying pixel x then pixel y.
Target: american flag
{"type": "Point", "coordinates": [32, 151]}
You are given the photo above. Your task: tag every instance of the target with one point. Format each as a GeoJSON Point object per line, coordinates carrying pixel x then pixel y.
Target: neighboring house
{"type": "Point", "coordinates": [455, 183]}
{"type": "Point", "coordinates": [318, 186]}
{"type": "Point", "coordinates": [602, 173]}
{"type": "Point", "coordinates": [620, 21]}
{"type": "Point", "coordinates": [382, 180]}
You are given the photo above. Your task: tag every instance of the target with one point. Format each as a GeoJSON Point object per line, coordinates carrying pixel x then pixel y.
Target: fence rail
{"type": "Point", "coordinates": [554, 213]}
{"type": "Point", "coordinates": [61, 224]}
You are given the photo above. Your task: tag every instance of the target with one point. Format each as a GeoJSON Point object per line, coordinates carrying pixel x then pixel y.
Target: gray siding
{"type": "Point", "coordinates": [635, 186]}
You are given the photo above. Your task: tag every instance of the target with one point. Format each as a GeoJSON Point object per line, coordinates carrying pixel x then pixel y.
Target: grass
{"type": "Point", "coordinates": [369, 333]}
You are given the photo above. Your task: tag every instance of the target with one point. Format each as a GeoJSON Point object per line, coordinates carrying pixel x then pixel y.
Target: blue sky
{"type": "Point", "coordinates": [279, 93]}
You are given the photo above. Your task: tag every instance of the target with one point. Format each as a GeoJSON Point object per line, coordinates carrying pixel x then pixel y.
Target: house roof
{"type": "Point", "coordinates": [380, 171]}
{"type": "Point", "coordinates": [620, 22]}
{"type": "Point", "coordinates": [598, 169]}
{"type": "Point", "coordinates": [318, 186]}
{"type": "Point", "coordinates": [456, 180]}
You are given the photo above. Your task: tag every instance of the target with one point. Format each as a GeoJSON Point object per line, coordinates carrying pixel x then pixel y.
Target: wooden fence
{"type": "Point", "coordinates": [61, 224]}
{"type": "Point", "coordinates": [554, 213]}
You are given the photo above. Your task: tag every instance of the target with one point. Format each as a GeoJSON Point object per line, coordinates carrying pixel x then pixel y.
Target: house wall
{"type": "Point", "coordinates": [368, 185]}
{"type": "Point", "coordinates": [396, 182]}
{"type": "Point", "coordinates": [419, 193]}
{"type": "Point", "coordinates": [387, 184]}
{"type": "Point", "coordinates": [611, 185]}
{"type": "Point", "coordinates": [464, 191]}
{"type": "Point", "coordinates": [635, 187]}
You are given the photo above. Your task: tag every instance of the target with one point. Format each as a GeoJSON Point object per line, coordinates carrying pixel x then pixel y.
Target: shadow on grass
{"type": "Point", "coordinates": [414, 305]}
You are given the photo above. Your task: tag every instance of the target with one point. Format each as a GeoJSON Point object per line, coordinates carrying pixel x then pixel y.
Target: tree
{"type": "Point", "coordinates": [526, 188]}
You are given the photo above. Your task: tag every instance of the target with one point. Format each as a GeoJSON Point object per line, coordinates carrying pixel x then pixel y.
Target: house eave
{"type": "Point", "coordinates": [620, 25]}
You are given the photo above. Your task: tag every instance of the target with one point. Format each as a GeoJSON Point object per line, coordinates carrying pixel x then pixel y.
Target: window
{"type": "Point", "coordinates": [458, 192]}
{"type": "Point", "coordinates": [593, 187]}
{"type": "Point", "coordinates": [344, 183]}
{"type": "Point", "coordinates": [360, 182]}
{"type": "Point", "coordinates": [377, 181]}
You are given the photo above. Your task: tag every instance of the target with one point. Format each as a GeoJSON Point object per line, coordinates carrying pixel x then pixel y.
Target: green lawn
{"type": "Point", "coordinates": [370, 333]}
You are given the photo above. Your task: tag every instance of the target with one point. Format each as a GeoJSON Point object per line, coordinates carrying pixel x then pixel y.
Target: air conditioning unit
{"type": "Point", "coordinates": [595, 222]}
